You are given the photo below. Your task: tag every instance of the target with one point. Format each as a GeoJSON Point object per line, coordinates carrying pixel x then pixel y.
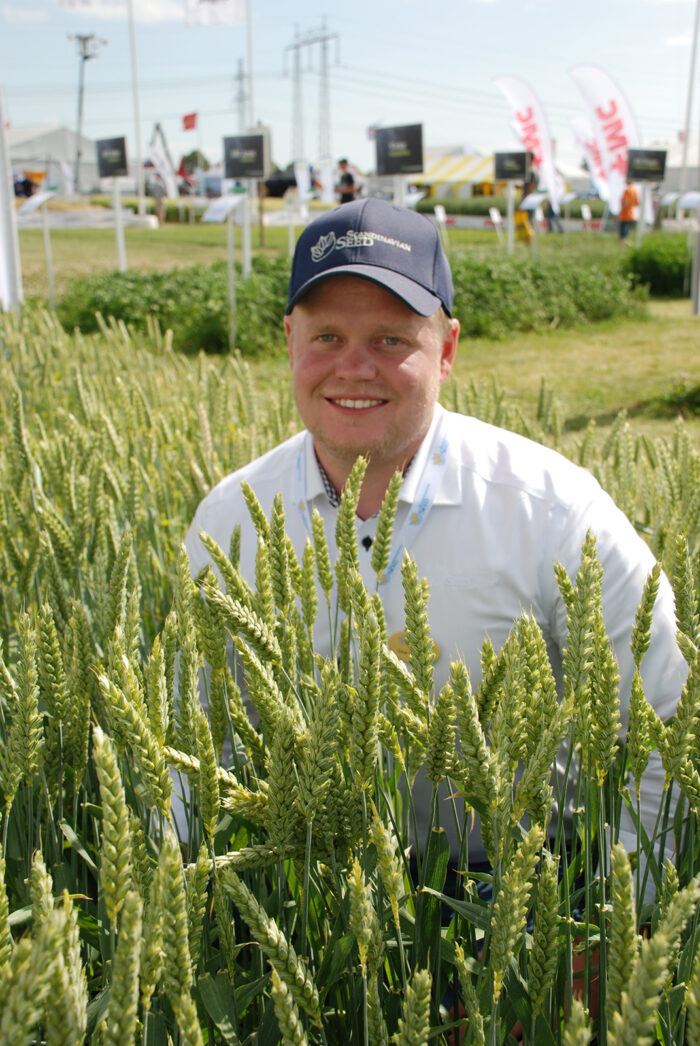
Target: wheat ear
{"type": "Point", "coordinates": [115, 852]}
{"type": "Point", "coordinates": [542, 962]}
{"type": "Point", "coordinates": [289, 1022]}
{"type": "Point", "coordinates": [275, 945]}
{"type": "Point", "coordinates": [510, 906]}
{"type": "Point", "coordinates": [623, 939]}
{"type": "Point", "coordinates": [122, 1010]}
{"type": "Point", "coordinates": [414, 1025]}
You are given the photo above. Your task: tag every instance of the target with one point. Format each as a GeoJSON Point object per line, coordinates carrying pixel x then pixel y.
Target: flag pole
{"type": "Point", "coordinates": [249, 38]}
{"type": "Point", "coordinates": [10, 266]}
{"type": "Point", "coordinates": [137, 115]}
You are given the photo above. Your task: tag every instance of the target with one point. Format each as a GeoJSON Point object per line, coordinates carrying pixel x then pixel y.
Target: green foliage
{"type": "Point", "coordinates": [193, 303]}
{"type": "Point", "coordinates": [495, 297]}
{"type": "Point", "coordinates": [662, 264]}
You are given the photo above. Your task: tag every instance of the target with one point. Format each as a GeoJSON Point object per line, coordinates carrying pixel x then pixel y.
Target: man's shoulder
{"type": "Point", "coordinates": [498, 455]}
{"type": "Point", "coordinates": [271, 471]}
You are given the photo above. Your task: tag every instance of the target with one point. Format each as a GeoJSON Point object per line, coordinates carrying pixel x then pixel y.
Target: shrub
{"type": "Point", "coordinates": [661, 263]}
{"type": "Point", "coordinates": [496, 297]}
{"type": "Point", "coordinates": [192, 302]}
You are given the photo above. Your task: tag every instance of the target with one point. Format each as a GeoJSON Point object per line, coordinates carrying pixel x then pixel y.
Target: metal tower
{"type": "Point", "coordinates": [308, 40]}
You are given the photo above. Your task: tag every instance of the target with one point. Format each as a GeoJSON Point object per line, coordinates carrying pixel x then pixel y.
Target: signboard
{"type": "Point", "coordinates": [646, 165]}
{"type": "Point", "coordinates": [111, 157]}
{"type": "Point", "coordinates": [511, 167]}
{"type": "Point", "coordinates": [245, 156]}
{"type": "Point", "coordinates": [219, 210]}
{"type": "Point", "coordinates": [400, 149]}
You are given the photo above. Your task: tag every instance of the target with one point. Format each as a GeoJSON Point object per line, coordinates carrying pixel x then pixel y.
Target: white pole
{"type": "Point", "coordinates": [689, 100]}
{"type": "Point", "coordinates": [231, 244]}
{"type": "Point", "coordinates": [48, 255]}
{"type": "Point", "coordinates": [137, 116]}
{"type": "Point", "coordinates": [640, 217]}
{"type": "Point", "coordinates": [10, 266]}
{"type": "Point", "coordinates": [695, 277]}
{"type": "Point", "coordinates": [510, 219]}
{"type": "Point", "coordinates": [400, 190]}
{"type": "Point", "coordinates": [247, 264]}
{"type": "Point", "coordinates": [118, 225]}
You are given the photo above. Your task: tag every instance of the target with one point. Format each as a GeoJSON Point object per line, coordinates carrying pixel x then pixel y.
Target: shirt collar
{"type": "Point", "coordinates": [450, 492]}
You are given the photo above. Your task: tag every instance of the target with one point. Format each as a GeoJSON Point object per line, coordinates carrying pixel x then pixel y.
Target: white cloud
{"type": "Point", "coordinates": [23, 14]}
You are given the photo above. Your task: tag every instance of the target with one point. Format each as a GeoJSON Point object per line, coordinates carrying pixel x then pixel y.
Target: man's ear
{"type": "Point", "coordinates": [449, 350]}
{"type": "Point", "coordinates": [288, 334]}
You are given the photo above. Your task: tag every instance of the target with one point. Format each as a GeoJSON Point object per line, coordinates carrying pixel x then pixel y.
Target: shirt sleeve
{"type": "Point", "coordinates": [627, 561]}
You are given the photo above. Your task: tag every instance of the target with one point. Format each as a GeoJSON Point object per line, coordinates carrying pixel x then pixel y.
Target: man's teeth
{"type": "Point", "coordinates": [357, 404]}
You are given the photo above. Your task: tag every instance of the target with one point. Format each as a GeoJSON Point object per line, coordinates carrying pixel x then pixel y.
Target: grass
{"type": "Point", "coordinates": [646, 366]}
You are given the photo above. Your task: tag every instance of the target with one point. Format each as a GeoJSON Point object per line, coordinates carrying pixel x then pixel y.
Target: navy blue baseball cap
{"type": "Point", "coordinates": [371, 238]}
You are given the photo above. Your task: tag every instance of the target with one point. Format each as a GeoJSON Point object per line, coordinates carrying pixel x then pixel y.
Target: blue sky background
{"type": "Point", "coordinates": [391, 62]}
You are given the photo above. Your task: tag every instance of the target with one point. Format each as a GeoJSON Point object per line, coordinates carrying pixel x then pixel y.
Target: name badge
{"type": "Point", "coordinates": [397, 644]}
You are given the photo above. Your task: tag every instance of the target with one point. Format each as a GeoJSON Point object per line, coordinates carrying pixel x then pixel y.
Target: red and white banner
{"type": "Point", "coordinates": [189, 122]}
{"type": "Point", "coordinates": [531, 127]}
{"type": "Point", "coordinates": [206, 12]}
{"type": "Point", "coordinates": [613, 125]}
{"type": "Point", "coordinates": [583, 132]}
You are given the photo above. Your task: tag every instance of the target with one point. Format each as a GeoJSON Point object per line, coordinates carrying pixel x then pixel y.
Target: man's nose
{"type": "Point", "coordinates": [356, 361]}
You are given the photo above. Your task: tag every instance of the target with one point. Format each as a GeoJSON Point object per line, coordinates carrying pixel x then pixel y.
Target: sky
{"type": "Point", "coordinates": [390, 62]}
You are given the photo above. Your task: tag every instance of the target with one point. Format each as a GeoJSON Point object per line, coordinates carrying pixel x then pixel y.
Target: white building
{"type": "Point", "coordinates": [53, 150]}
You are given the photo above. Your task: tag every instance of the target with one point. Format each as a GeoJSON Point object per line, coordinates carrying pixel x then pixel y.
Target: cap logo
{"type": "Point", "coordinates": [330, 242]}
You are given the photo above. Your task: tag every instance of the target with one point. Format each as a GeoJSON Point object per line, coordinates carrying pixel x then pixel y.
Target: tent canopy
{"type": "Point", "coordinates": [455, 167]}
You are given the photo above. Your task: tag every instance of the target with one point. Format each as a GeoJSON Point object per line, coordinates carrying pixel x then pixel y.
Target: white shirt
{"type": "Point", "coordinates": [504, 511]}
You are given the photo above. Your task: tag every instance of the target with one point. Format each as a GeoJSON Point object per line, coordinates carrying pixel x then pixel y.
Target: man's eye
{"type": "Point", "coordinates": [326, 338]}
{"type": "Point", "coordinates": [391, 340]}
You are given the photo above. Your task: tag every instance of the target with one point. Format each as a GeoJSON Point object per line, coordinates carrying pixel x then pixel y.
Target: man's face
{"type": "Point", "coordinates": [366, 371]}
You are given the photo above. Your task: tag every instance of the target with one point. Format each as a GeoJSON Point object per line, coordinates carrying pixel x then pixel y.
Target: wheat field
{"type": "Point", "coordinates": [287, 904]}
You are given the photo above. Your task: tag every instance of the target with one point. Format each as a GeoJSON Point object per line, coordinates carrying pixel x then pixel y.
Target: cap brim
{"type": "Point", "coordinates": [415, 296]}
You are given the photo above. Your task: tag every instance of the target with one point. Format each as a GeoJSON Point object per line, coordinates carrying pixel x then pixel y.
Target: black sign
{"type": "Point", "coordinates": [400, 149]}
{"type": "Point", "coordinates": [511, 167]}
{"type": "Point", "coordinates": [245, 156]}
{"type": "Point", "coordinates": [646, 165]}
{"type": "Point", "coordinates": [111, 157]}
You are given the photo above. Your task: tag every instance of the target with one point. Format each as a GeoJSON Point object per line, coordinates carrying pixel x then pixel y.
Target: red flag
{"type": "Point", "coordinates": [189, 122]}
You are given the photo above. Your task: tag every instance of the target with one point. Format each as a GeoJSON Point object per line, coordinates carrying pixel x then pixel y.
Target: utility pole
{"type": "Point", "coordinates": [88, 46]}
{"type": "Point", "coordinates": [241, 97]}
{"type": "Point", "coordinates": [308, 40]}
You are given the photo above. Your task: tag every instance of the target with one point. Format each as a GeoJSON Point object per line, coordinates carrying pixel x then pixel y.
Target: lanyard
{"type": "Point", "coordinates": [428, 486]}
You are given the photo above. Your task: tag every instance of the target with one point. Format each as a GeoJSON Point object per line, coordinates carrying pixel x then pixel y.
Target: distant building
{"type": "Point", "coordinates": [52, 150]}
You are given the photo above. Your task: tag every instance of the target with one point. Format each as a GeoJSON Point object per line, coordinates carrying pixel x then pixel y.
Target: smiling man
{"type": "Point", "coordinates": [485, 513]}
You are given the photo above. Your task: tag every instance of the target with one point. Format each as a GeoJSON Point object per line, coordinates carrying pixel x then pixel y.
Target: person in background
{"type": "Point", "coordinates": [484, 513]}
{"type": "Point", "coordinates": [157, 190]}
{"type": "Point", "coordinates": [628, 210]}
{"type": "Point", "coordinates": [346, 187]}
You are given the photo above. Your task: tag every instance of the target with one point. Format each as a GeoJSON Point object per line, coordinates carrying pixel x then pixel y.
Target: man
{"type": "Point", "coordinates": [484, 513]}
{"type": "Point", "coordinates": [346, 187]}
